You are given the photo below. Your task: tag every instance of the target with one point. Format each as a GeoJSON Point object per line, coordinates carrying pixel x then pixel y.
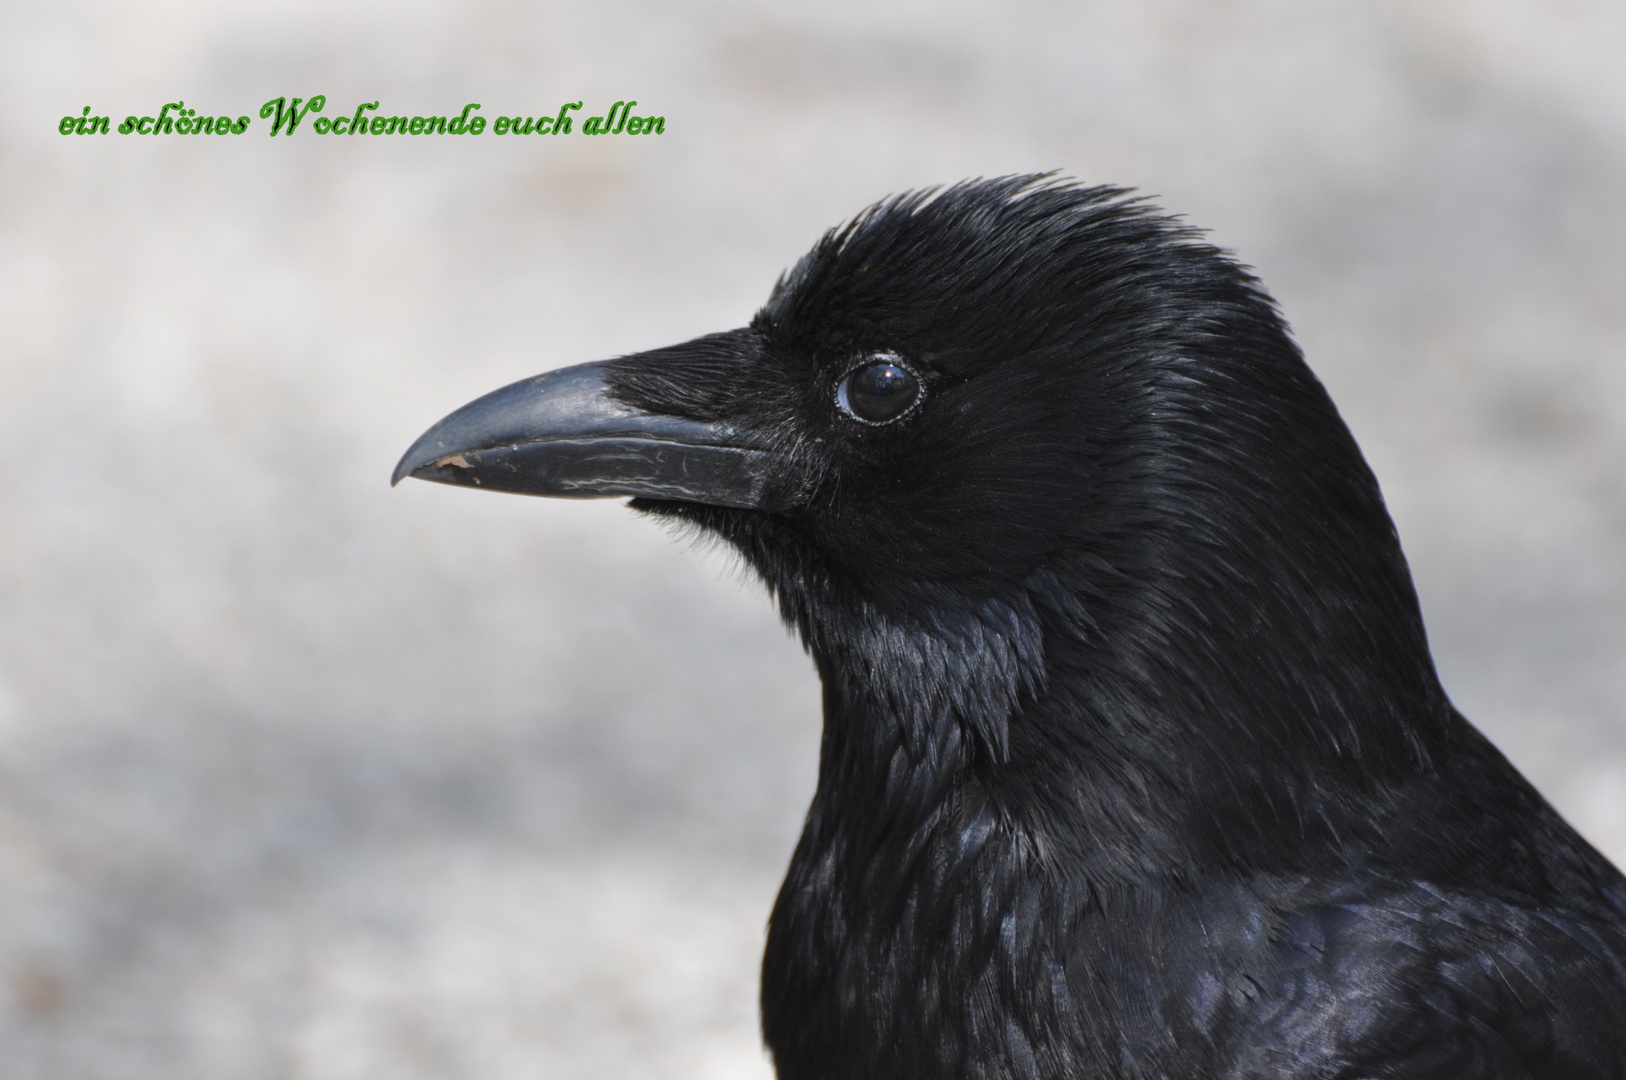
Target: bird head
{"type": "Point", "coordinates": [989, 432]}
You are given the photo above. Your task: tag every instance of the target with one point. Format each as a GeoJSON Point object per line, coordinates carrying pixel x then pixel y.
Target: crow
{"type": "Point", "coordinates": [1135, 763]}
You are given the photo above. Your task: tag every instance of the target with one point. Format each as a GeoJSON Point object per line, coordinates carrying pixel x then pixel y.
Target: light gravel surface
{"type": "Point", "coordinates": [302, 777]}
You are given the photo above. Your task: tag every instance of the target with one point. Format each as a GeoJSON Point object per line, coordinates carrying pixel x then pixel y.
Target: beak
{"type": "Point", "coordinates": [562, 434]}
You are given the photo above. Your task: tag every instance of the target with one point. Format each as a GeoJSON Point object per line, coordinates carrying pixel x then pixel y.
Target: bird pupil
{"type": "Point", "coordinates": [880, 392]}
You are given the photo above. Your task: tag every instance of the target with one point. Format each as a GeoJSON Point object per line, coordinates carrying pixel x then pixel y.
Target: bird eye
{"type": "Point", "coordinates": [878, 392]}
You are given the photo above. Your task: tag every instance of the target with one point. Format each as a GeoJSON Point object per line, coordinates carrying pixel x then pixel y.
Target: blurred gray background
{"type": "Point", "coordinates": [302, 777]}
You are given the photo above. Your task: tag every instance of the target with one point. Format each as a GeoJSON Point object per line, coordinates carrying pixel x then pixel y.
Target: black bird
{"type": "Point", "coordinates": [1135, 762]}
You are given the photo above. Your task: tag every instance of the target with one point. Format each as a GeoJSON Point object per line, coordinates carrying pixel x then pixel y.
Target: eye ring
{"type": "Point", "coordinates": [889, 391]}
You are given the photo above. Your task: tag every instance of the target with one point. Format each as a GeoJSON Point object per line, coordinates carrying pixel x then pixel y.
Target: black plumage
{"type": "Point", "coordinates": [1135, 762]}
